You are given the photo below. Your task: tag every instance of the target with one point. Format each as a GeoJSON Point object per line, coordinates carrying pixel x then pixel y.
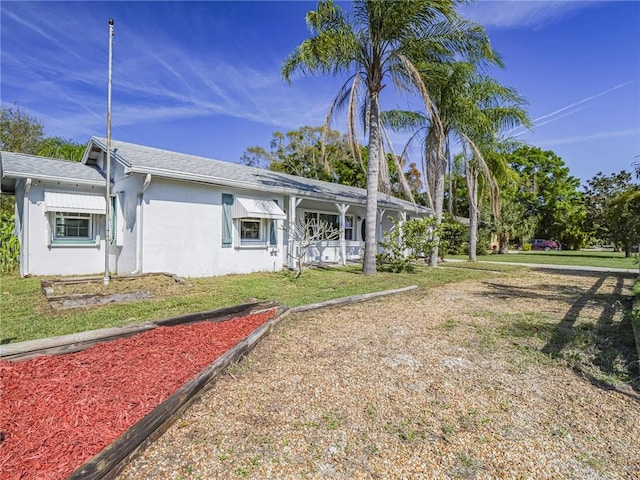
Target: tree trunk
{"type": "Point", "coordinates": [472, 183]}
{"type": "Point", "coordinates": [504, 243]}
{"type": "Point", "coordinates": [450, 168]}
{"type": "Point", "coordinates": [370, 241]}
{"type": "Point", "coordinates": [438, 163]}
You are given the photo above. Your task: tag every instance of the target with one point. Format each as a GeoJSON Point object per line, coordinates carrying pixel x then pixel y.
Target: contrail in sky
{"type": "Point", "coordinates": [536, 121]}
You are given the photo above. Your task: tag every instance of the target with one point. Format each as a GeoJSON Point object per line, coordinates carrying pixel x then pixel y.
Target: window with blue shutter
{"type": "Point", "coordinates": [227, 220]}
{"type": "Point", "coordinates": [273, 231]}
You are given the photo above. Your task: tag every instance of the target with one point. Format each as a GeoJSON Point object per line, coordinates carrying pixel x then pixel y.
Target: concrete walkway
{"type": "Point", "coordinates": [542, 266]}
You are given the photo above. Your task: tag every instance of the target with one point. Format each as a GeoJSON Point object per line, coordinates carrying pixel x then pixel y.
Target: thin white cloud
{"type": "Point", "coordinates": [567, 110]}
{"type": "Point", "coordinates": [584, 100]}
{"type": "Point", "coordinates": [586, 138]}
{"type": "Point", "coordinates": [517, 13]}
{"type": "Point", "coordinates": [155, 78]}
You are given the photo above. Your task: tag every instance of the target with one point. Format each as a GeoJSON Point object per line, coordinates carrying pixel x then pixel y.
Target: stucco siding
{"type": "Point", "coordinates": [126, 190]}
{"type": "Point", "coordinates": [47, 259]}
{"type": "Point", "coordinates": [182, 233]}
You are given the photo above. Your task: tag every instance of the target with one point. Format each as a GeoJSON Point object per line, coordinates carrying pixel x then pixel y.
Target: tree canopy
{"type": "Point", "coordinates": [23, 133]}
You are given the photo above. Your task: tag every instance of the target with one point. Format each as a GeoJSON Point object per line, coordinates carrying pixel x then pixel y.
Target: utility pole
{"type": "Point", "coordinates": [107, 218]}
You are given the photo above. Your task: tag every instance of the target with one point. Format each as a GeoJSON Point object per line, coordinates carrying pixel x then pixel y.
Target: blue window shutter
{"type": "Point", "coordinates": [273, 231]}
{"type": "Point", "coordinates": [227, 220]}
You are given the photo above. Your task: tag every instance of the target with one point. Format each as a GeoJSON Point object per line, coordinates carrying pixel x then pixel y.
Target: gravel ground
{"type": "Point", "coordinates": [471, 380]}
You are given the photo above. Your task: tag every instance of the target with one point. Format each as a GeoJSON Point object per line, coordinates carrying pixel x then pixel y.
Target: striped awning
{"type": "Point", "coordinates": [75, 203]}
{"type": "Point", "coordinates": [251, 208]}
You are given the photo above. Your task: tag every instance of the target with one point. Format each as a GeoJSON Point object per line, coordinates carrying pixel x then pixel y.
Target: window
{"type": "Point", "coordinates": [251, 230]}
{"type": "Point", "coordinates": [348, 227]}
{"type": "Point", "coordinates": [315, 219]}
{"type": "Point", "coordinates": [72, 226]}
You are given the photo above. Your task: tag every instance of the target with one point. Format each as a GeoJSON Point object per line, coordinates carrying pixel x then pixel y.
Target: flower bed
{"type": "Point", "coordinates": [59, 411]}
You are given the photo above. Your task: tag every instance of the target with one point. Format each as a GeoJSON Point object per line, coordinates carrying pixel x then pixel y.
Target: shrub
{"type": "Point", "coordinates": [453, 237]}
{"type": "Point", "coordinates": [9, 244]}
{"type": "Point", "coordinates": [526, 247]}
{"type": "Point", "coordinates": [404, 243]}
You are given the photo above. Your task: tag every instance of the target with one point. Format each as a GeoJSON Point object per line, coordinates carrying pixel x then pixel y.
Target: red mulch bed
{"type": "Point", "coordinates": [58, 412]}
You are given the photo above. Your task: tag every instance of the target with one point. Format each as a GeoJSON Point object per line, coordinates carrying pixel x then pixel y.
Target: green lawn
{"type": "Point", "coordinates": [26, 315]}
{"type": "Point", "coordinates": [582, 257]}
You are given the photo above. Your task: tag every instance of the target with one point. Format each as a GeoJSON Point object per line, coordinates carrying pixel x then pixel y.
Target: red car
{"type": "Point", "coordinates": [546, 245]}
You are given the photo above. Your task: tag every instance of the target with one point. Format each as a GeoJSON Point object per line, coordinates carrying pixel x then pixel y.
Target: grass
{"type": "Point", "coordinates": [603, 351]}
{"type": "Point", "coordinates": [586, 258]}
{"type": "Point", "coordinates": [26, 315]}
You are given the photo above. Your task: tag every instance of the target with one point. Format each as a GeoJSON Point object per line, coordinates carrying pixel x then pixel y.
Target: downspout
{"type": "Point", "coordinates": [145, 185]}
{"type": "Point", "coordinates": [25, 229]}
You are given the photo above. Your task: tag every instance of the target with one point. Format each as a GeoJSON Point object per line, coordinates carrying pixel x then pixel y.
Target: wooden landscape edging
{"type": "Point", "coordinates": [352, 299]}
{"type": "Point", "coordinates": [111, 460]}
{"type": "Point", "coordinates": [83, 340]}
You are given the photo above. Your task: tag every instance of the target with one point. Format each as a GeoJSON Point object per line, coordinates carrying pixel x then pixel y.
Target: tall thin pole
{"type": "Point", "coordinates": [107, 219]}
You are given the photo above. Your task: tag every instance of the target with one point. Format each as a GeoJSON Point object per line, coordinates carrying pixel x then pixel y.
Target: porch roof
{"type": "Point", "coordinates": [181, 166]}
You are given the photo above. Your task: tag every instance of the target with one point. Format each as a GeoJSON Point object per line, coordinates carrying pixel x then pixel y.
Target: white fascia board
{"type": "Point", "coordinates": [50, 178]}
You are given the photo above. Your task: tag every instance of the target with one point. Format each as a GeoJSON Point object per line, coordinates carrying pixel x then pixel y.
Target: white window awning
{"type": "Point", "coordinates": [74, 203]}
{"type": "Point", "coordinates": [251, 208]}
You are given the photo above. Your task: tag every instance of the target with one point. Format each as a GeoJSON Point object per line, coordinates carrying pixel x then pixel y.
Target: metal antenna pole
{"type": "Point", "coordinates": [107, 218]}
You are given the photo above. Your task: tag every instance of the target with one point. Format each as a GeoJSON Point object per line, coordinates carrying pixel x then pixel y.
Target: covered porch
{"type": "Point", "coordinates": [341, 243]}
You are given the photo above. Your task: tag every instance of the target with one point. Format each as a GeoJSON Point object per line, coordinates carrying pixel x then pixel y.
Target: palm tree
{"type": "Point", "coordinates": [491, 109]}
{"type": "Point", "coordinates": [379, 40]}
{"type": "Point", "coordinates": [472, 108]}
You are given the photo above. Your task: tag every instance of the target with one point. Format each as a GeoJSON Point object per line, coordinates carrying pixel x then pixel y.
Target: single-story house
{"type": "Point", "coordinates": [178, 213]}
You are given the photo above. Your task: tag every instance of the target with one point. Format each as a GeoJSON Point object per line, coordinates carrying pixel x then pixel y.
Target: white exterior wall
{"type": "Point", "coordinates": [47, 259]}
{"type": "Point", "coordinates": [182, 232]}
{"type": "Point", "coordinates": [124, 248]}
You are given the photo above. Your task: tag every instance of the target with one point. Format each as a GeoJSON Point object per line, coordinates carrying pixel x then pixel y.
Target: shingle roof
{"type": "Point", "coordinates": [20, 165]}
{"type": "Point", "coordinates": [142, 159]}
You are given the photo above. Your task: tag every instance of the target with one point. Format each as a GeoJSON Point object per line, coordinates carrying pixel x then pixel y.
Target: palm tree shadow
{"type": "Point", "coordinates": [606, 346]}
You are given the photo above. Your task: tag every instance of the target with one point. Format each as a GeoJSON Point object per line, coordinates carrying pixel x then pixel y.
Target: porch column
{"type": "Point", "coordinates": [291, 229]}
{"type": "Point", "coordinates": [342, 208]}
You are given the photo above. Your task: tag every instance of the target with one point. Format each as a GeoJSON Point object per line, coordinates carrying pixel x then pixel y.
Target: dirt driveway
{"type": "Point", "coordinates": [522, 375]}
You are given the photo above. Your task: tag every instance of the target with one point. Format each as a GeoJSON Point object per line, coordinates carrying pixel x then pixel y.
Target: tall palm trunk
{"type": "Point", "coordinates": [450, 169]}
{"type": "Point", "coordinates": [437, 165]}
{"type": "Point", "coordinates": [472, 183]}
{"type": "Point", "coordinates": [370, 241]}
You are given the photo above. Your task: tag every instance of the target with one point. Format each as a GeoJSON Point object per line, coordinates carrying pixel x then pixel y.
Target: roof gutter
{"type": "Point", "coordinates": [47, 178]}
{"type": "Point", "coordinates": [176, 175]}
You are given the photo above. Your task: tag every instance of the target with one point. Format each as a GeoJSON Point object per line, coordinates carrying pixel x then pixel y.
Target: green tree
{"type": "Point", "coordinates": [473, 110]}
{"type": "Point", "coordinates": [19, 131]}
{"type": "Point", "coordinates": [549, 193]}
{"type": "Point", "coordinates": [598, 192]}
{"type": "Point", "coordinates": [58, 147]}
{"type": "Point", "coordinates": [405, 242]}
{"type": "Point", "coordinates": [300, 152]}
{"type": "Point", "coordinates": [514, 222]}
{"type": "Point", "coordinates": [375, 42]}
{"type": "Point", "coordinates": [622, 213]}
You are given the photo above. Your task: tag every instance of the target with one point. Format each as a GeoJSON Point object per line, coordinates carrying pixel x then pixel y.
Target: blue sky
{"type": "Point", "coordinates": [204, 77]}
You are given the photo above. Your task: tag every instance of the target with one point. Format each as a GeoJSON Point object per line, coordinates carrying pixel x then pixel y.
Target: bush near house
{"type": "Point", "coordinates": [9, 244]}
{"type": "Point", "coordinates": [404, 243]}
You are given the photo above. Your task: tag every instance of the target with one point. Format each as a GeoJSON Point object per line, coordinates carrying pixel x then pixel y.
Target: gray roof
{"type": "Point", "coordinates": [164, 163]}
{"type": "Point", "coordinates": [14, 166]}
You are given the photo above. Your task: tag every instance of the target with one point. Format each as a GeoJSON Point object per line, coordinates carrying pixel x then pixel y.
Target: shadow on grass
{"type": "Point", "coordinates": [601, 350]}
